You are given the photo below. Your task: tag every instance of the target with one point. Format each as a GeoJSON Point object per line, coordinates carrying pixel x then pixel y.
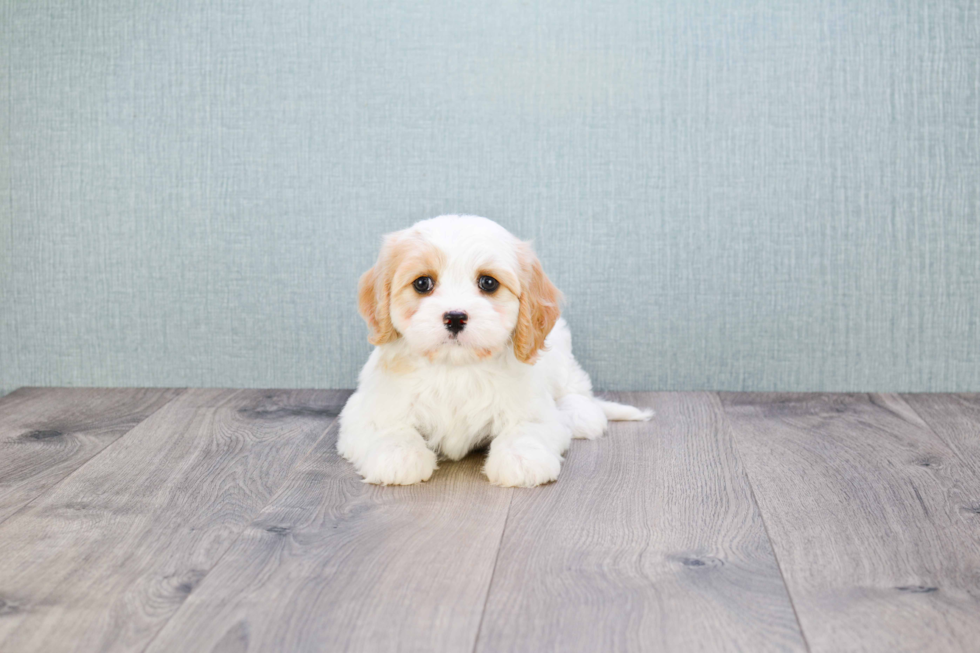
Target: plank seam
{"type": "Point", "coordinates": [493, 572]}
{"type": "Point", "coordinates": [762, 518]}
{"type": "Point", "coordinates": [231, 545]}
{"type": "Point", "coordinates": [180, 392]}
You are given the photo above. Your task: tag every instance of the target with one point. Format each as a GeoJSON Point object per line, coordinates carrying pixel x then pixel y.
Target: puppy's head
{"type": "Point", "coordinates": [459, 289]}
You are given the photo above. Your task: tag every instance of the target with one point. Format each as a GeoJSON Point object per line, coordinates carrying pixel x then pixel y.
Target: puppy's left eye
{"type": "Point", "coordinates": [487, 284]}
{"type": "Point", "coordinates": [423, 285]}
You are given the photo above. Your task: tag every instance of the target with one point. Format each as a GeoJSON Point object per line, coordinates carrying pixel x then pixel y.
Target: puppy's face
{"type": "Point", "coordinates": [458, 290]}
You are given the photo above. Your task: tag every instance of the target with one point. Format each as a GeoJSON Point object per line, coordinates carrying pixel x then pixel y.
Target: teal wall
{"type": "Point", "coordinates": [733, 195]}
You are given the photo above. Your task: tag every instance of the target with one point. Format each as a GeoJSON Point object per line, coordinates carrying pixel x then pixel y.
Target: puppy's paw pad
{"type": "Point", "coordinates": [521, 467]}
{"type": "Point", "coordinates": [399, 465]}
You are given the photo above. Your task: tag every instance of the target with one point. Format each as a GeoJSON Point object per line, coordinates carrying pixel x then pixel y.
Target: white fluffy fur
{"type": "Point", "coordinates": [425, 394]}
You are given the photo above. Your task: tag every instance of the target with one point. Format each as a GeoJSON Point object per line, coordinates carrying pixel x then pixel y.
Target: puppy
{"type": "Point", "coordinates": [470, 350]}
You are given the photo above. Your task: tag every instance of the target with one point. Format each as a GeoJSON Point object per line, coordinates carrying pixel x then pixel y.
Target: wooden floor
{"type": "Point", "coordinates": [224, 520]}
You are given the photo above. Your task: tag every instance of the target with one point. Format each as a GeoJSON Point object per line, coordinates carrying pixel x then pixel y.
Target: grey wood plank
{"type": "Point", "coordinates": [649, 540]}
{"type": "Point", "coordinates": [101, 561]}
{"type": "Point", "coordinates": [334, 564]}
{"type": "Point", "coordinates": [864, 507]}
{"type": "Point", "coordinates": [955, 419]}
{"type": "Point", "coordinates": [47, 433]}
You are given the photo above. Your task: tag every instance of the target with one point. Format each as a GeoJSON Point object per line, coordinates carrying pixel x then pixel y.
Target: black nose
{"type": "Point", "coordinates": [455, 321]}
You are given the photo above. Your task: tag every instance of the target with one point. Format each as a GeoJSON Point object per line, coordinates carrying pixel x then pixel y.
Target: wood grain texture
{"type": "Point", "coordinates": [226, 521]}
{"type": "Point", "coordinates": [955, 419]}
{"type": "Point", "coordinates": [333, 564]}
{"type": "Point", "coordinates": [47, 433]}
{"type": "Point", "coordinates": [865, 509]}
{"type": "Point", "coordinates": [649, 540]}
{"type": "Point", "coordinates": [105, 558]}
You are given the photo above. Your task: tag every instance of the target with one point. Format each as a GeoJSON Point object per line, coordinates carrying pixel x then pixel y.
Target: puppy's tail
{"type": "Point", "coordinates": [622, 412]}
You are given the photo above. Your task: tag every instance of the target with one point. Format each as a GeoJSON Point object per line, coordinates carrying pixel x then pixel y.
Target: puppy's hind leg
{"type": "Point", "coordinates": [583, 415]}
{"type": "Point", "coordinates": [587, 417]}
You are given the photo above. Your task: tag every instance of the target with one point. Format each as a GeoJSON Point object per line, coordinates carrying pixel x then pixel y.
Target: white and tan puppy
{"type": "Point", "coordinates": [470, 350]}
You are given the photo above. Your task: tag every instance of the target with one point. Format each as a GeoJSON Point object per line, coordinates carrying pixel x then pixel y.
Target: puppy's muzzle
{"type": "Point", "coordinates": [455, 321]}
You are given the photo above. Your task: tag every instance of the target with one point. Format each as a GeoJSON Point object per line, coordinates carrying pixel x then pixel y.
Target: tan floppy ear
{"type": "Point", "coordinates": [539, 307]}
{"type": "Point", "coordinates": [374, 298]}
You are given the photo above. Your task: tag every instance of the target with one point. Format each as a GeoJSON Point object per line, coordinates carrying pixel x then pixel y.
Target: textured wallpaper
{"type": "Point", "coordinates": [732, 195]}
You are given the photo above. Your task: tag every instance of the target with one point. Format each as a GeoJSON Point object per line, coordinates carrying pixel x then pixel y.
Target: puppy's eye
{"type": "Point", "coordinates": [423, 285]}
{"type": "Point", "coordinates": [487, 284]}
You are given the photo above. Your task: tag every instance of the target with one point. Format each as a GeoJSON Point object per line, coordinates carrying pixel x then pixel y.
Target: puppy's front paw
{"type": "Point", "coordinates": [399, 464]}
{"type": "Point", "coordinates": [521, 464]}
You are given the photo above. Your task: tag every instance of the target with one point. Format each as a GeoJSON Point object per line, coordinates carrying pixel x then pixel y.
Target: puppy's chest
{"type": "Point", "coordinates": [457, 411]}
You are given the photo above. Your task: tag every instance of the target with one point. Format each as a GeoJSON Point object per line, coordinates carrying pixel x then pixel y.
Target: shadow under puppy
{"type": "Point", "coordinates": [470, 350]}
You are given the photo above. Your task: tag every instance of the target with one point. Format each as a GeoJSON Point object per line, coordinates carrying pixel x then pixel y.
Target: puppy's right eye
{"type": "Point", "coordinates": [423, 285]}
